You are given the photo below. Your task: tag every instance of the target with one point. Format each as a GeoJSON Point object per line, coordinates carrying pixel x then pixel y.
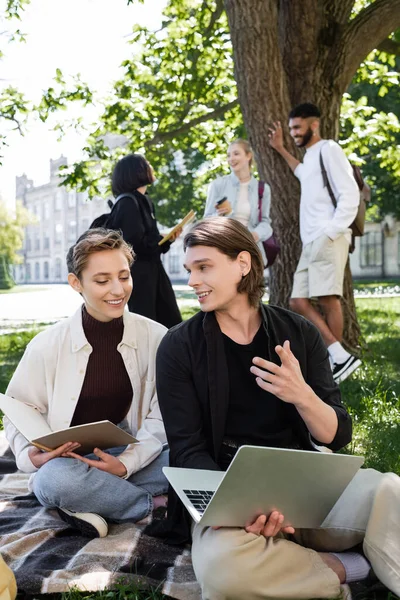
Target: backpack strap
{"type": "Point", "coordinates": [126, 195]}
{"type": "Point", "coordinates": [261, 188]}
{"type": "Point", "coordinates": [326, 180]}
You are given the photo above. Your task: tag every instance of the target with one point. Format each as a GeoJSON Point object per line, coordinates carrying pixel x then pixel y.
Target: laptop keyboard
{"type": "Point", "coordinates": [199, 499]}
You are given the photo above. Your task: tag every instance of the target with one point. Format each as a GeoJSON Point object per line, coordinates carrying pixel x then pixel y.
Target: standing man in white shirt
{"type": "Point", "coordinates": [324, 229]}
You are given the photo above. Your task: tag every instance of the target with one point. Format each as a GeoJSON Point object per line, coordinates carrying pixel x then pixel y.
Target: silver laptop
{"type": "Point", "coordinates": [302, 485]}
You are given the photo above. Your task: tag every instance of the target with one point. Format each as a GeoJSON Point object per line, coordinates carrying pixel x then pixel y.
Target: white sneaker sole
{"type": "Point", "coordinates": [89, 524]}
{"type": "Point", "coordinates": [347, 372]}
{"type": "Point", "coordinates": [345, 592]}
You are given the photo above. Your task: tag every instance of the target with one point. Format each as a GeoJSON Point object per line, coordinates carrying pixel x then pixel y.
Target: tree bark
{"type": "Point", "coordinates": [289, 52]}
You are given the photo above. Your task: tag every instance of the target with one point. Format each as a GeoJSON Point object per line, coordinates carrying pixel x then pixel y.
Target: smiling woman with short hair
{"type": "Point", "coordinates": [96, 365]}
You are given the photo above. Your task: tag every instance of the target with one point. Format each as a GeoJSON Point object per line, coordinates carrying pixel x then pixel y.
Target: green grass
{"type": "Point", "coordinates": [372, 395]}
{"type": "Point", "coordinates": [119, 592]}
{"type": "Point", "coordinates": [12, 347]}
{"type": "Point", "coordinates": [373, 283]}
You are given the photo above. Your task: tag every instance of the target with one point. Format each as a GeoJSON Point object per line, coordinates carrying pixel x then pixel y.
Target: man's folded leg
{"type": "Point", "coordinates": [367, 513]}
{"type": "Point", "coordinates": [231, 564]}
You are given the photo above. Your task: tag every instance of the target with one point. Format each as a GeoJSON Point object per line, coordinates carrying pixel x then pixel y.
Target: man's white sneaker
{"type": "Point", "coordinates": [89, 524]}
{"type": "Point", "coordinates": [343, 370]}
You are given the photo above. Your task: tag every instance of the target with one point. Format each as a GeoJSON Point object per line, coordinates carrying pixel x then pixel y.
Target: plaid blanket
{"type": "Point", "coordinates": [47, 556]}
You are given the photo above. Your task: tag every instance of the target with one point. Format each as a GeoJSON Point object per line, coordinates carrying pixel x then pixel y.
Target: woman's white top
{"type": "Point", "coordinates": [243, 207]}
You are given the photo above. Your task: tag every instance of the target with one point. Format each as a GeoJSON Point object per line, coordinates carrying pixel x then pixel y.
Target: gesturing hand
{"type": "Point", "coordinates": [275, 135]}
{"type": "Point", "coordinates": [39, 458]}
{"type": "Point", "coordinates": [106, 462]}
{"type": "Point", "coordinates": [269, 527]}
{"type": "Point", "coordinates": [286, 382]}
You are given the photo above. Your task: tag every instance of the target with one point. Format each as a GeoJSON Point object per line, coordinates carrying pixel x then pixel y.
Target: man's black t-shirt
{"type": "Point", "coordinates": [255, 416]}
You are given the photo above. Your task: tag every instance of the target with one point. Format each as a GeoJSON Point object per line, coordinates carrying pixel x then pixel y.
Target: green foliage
{"type": "Point", "coordinates": [12, 347]}
{"type": "Point", "coordinates": [176, 102]}
{"type": "Point", "coordinates": [377, 431]}
{"type": "Point", "coordinates": [6, 281]}
{"type": "Point", "coordinates": [14, 108]}
{"type": "Point", "coordinates": [12, 231]}
{"type": "Point", "coordinates": [370, 129]}
{"type": "Point", "coordinates": [58, 97]}
{"type": "Point", "coordinates": [15, 7]}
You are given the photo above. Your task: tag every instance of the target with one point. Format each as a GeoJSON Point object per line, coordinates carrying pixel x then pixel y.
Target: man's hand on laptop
{"type": "Point", "coordinates": [286, 381]}
{"type": "Point", "coordinates": [268, 526]}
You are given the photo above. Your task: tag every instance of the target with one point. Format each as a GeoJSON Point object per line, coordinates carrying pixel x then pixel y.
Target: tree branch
{"type": "Point", "coordinates": [365, 32]}
{"type": "Point", "coordinates": [338, 10]}
{"type": "Point", "coordinates": [214, 114]}
{"type": "Point", "coordinates": [390, 47]}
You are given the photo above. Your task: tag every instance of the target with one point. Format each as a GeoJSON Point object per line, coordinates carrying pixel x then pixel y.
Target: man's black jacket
{"type": "Point", "coordinates": [193, 393]}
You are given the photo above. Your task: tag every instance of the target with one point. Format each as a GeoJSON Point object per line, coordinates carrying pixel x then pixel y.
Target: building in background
{"type": "Point", "coordinates": [61, 217]}
{"type": "Point", "coordinates": [377, 252]}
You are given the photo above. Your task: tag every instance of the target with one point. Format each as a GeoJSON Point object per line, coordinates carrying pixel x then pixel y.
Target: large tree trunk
{"type": "Point", "coordinates": [286, 53]}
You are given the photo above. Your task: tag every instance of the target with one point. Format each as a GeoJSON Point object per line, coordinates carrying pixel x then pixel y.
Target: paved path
{"type": "Point", "coordinates": [53, 302]}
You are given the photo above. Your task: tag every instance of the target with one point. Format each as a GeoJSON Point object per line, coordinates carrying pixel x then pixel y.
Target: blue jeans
{"type": "Point", "coordinates": [71, 484]}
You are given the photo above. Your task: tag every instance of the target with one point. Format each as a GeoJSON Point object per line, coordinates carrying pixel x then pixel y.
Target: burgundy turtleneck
{"type": "Point", "coordinates": [107, 391]}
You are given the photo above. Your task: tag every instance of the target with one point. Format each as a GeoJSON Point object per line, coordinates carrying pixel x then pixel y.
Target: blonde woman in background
{"type": "Point", "coordinates": [238, 195]}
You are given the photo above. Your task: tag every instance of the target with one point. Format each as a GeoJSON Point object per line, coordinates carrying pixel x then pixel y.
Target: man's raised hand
{"type": "Point", "coordinates": [275, 135]}
{"type": "Point", "coordinates": [286, 381]}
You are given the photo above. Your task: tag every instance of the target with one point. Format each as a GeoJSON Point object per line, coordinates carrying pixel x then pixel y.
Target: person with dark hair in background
{"type": "Point", "coordinates": [324, 229]}
{"type": "Point", "coordinates": [133, 214]}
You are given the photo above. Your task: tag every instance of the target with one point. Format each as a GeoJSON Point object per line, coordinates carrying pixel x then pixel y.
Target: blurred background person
{"type": "Point", "coordinates": [134, 215]}
{"type": "Point", "coordinates": [239, 195]}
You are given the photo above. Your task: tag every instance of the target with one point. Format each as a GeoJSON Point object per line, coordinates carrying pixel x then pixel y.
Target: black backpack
{"type": "Point", "coordinates": [102, 220]}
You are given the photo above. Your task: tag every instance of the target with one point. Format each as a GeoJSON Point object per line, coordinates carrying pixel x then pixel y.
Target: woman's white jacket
{"type": "Point", "coordinates": [50, 377]}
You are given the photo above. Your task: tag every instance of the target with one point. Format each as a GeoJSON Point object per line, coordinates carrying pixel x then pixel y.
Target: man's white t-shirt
{"type": "Point", "coordinates": [317, 214]}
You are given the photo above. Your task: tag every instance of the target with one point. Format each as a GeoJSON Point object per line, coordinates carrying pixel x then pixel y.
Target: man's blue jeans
{"type": "Point", "coordinates": [71, 484]}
